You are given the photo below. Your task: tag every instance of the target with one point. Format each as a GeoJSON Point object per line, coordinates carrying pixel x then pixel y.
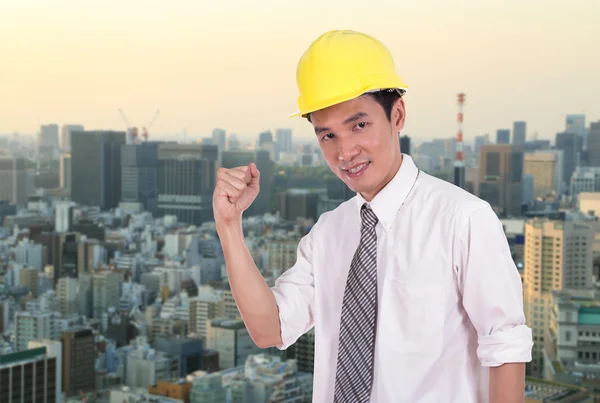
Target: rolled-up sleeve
{"type": "Point", "coordinates": [491, 288]}
{"type": "Point", "coordinates": [294, 293]}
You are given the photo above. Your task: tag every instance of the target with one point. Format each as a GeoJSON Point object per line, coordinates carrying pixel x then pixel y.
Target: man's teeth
{"type": "Point", "coordinates": [358, 168]}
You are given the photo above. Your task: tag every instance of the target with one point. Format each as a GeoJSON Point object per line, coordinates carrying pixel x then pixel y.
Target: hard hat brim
{"type": "Point", "coordinates": [403, 90]}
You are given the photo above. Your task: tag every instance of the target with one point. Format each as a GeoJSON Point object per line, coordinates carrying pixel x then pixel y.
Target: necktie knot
{"type": "Point", "coordinates": [369, 219]}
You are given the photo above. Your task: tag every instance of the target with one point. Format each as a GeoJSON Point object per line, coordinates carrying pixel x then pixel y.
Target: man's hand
{"type": "Point", "coordinates": [235, 191]}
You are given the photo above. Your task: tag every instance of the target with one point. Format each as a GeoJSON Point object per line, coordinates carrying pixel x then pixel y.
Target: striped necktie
{"type": "Point", "coordinates": [354, 374]}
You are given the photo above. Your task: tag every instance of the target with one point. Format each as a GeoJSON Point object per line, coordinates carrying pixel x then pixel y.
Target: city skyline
{"type": "Point", "coordinates": [230, 66]}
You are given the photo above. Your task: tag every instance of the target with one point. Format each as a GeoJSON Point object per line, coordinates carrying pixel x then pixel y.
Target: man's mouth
{"type": "Point", "coordinates": [356, 170]}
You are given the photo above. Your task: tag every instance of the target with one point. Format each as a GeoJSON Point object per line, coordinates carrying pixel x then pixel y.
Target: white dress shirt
{"type": "Point", "coordinates": [449, 295]}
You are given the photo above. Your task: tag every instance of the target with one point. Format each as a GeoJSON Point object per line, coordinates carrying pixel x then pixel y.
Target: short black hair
{"type": "Point", "coordinates": [386, 98]}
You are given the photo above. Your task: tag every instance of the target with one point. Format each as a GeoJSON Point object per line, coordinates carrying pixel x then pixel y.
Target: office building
{"type": "Point", "coordinates": [31, 326]}
{"type": "Point", "coordinates": [594, 144]}
{"type": "Point", "coordinates": [13, 181]}
{"type": "Point", "coordinates": [405, 145]}
{"type": "Point", "coordinates": [219, 138]}
{"type": "Point", "coordinates": [79, 356]}
{"type": "Point", "coordinates": [29, 376]}
{"type": "Point", "coordinates": [519, 133]}
{"type": "Point", "coordinates": [230, 338]}
{"type": "Point", "coordinates": [558, 255]}
{"type": "Point", "coordinates": [96, 168]}
{"type": "Point", "coordinates": [297, 203]}
{"type": "Point", "coordinates": [66, 131]}
{"type": "Point", "coordinates": [48, 143]}
{"type": "Point", "coordinates": [572, 353]}
{"type": "Point", "coordinates": [546, 169]}
{"type": "Point", "coordinates": [575, 123]}
{"type": "Point", "coordinates": [283, 139]}
{"type": "Point", "coordinates": [570, 144]}
{"type": "Point", "coordinates": [53, 350]}
{"type": "Point", "coordinates": [500, 175]}
{"type": "Point", "coordinates": [503, 136]}
{"type": "Point", "coordinates": [65, 171]}
{"type": "Point", "coordinates": [139, 174]}
{"type": "Point", "coordinates": [186, 181]}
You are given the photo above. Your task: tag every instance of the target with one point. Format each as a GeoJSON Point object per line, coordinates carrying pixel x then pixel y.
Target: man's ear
{"type": "Point", "coordinates": [399, 114]}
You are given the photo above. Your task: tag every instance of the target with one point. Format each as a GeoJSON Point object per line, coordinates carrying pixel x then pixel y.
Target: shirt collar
{"type": "Point", "coordinates": [388, 201]}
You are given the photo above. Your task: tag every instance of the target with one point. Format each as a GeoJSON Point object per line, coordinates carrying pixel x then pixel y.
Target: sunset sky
{"type": "Point", "coordinates": [232, 63]}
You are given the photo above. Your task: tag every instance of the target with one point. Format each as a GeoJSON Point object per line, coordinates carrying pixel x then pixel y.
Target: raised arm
{"type": "Point", "coordinates": [235, 191]}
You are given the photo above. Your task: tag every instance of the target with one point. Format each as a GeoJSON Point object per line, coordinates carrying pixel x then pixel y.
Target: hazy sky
{"type": "Point", "coordinates": [233, 65]}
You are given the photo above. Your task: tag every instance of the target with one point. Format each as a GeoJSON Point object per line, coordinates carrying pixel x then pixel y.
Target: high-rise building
{"type": "Point", "coordinates": [283, 139]}
{"type": "Point", "coordinates": [48, 144]}
{"type": "Point", "coordinates": [503, 136]}
{"type": "Point", "coordinates": [13, 181]}
{"type": "Point", "coordinates": [32, 326]}
{"type": "Point", "coordinates": [53, 350]}
{"type": "Point", "coordinates": [575, 123]}
{"type": "Point", "coordinates": [593, 138]}
{"type": "Point", "coordinates": [519, 133]}
{"type": "Point", "coordinates": [585, 179]}
{"type": "Point", "coordinates": [546, 169]}
{"type": "Point", "coordinates": [405, 145]}
{"type": "Point", "coordinates": [139, 174]}
{"type": "Point", "coordinates": [573, 336]}
{"type": "Point", "coordinates": [570, 144]}
{"type": "Point", "coordinates": [208, 388]}
{"type": "Point", "coordinates": [96, 168]}
{"type": "Point", "coordinates": [63, 216]}
{"type": "Point", "coordinates": [29, 376]}
{"type": "Point", "coordinates": [232, 340]}
{"type": "Point", "coordinates": [66, 131]}
{"type": "Point", "coordinates": [186, 181]}
{"type": "Point", "coordinates": [500, 174]}
{"type": "Point", "coordinates": [65, 171]}
{"type": "Point", "coordinates": [297, 203]}
{"type": "Point", "coordinates": [558, 255]}
{"type": "Point", "coordinates": [219, 137]}
{"type": "Point", "coordinates": [66, 295]}
{"type": "Point", "coordinates": [79, 356]}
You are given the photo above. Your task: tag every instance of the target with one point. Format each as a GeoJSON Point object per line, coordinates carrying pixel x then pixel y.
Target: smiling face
{"type": "Point", "coordinates": [359, 142]}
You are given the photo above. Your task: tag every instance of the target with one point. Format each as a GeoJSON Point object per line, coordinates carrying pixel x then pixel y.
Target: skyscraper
{"type": "Point", "coordinates": [570, 144]}
{"type": "Point", "coordinates": [96, 168]}
{"type": "Point", "coordinates": [558, 255]}
{"type": "Point", "coordinates": [139, 174]}
{"type": "Point", "coordinates": [405, 144]}
{"type": "Point", "coordinates": [48, 144]}
{"type": "Point", "coordinates": [501, 170]}
{"type": "Point", "coordinates": [66, 130]}
{"type": "Point", "coordinates": [186, 181]}
{"type": "Point", "coordinates": [594, 144]}
{"type": "Point", "coordinates": [503, 136]}
{"type": "Point", "coordinates": [13, 181]}
{"type": "Point", "coordinates": [519, 133]}
{"type": "Point", "coordinates": [575, 123]}
{"type": "Point", "coordinates": [79, 355]}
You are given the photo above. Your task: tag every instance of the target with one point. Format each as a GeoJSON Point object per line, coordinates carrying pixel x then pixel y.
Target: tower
{"type": "Point", "coordinates": [459, 166]}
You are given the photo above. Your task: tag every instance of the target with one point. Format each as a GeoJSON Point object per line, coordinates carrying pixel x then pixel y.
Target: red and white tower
{"type": "Point", "coordinates": [459, 165]}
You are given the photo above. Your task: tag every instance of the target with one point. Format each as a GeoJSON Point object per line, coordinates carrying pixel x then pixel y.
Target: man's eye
{"type": "Point", "coordinates": [328, 136]}
{"type": "Point", "coordinates": [361, 125]}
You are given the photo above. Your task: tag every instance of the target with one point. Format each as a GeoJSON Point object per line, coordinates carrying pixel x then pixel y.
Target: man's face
{"type": "Point", "coordinates": [359, 143]}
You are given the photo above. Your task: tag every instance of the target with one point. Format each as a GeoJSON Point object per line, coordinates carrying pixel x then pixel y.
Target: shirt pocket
{"type": "Point", "coordinates": [412, 318]}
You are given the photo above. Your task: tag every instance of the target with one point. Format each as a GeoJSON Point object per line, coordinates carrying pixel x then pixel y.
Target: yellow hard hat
{"type": "Point", "coordinates": [341, 65]}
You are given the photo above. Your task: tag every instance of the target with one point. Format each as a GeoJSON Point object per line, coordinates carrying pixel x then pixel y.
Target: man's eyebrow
{"type": "Point", "coordinates": [351, 119]}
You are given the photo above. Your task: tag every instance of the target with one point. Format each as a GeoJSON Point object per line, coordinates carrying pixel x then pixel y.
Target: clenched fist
{"type": "Point", "coordinates": [235, 190]}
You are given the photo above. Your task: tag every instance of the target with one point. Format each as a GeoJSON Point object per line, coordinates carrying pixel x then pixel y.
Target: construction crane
{"type": "Point", "coordinates": [148, 126]}
{"type": "Point", "coordinates": [134, 129]}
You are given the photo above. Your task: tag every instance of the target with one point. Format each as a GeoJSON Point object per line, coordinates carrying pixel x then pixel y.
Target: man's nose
{"type": "Point", "coordinates": [347, 149]}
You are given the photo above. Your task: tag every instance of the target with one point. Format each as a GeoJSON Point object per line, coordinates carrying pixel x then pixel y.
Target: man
{"type": "Point", "coordinates": [410, 286]}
